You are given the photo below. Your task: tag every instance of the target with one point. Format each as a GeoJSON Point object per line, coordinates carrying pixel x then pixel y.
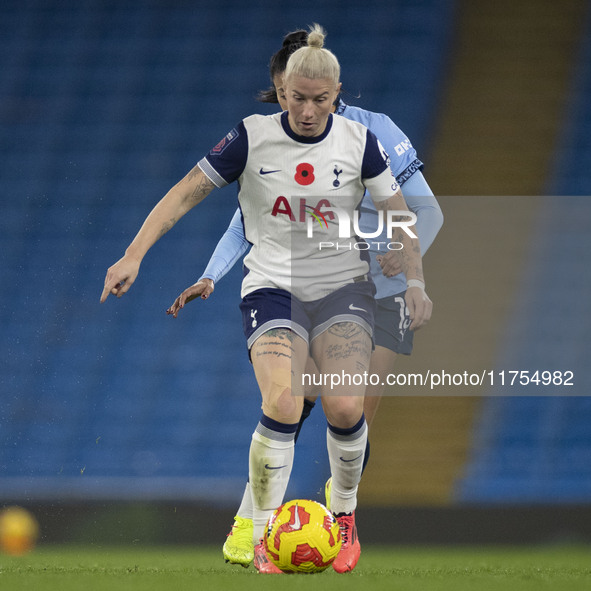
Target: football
{"type": "Point", "coordinates": [19, 531]}
{"type": "Point", "coordinates": [302, 537]}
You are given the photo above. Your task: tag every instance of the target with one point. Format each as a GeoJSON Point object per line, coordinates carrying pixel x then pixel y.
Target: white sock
{"type": "Point", "coordinates": [270, 463]}
{"type": "Point", "coordinates": [245, 509]}
{"type": "Point", "coordinates": [346, 448]}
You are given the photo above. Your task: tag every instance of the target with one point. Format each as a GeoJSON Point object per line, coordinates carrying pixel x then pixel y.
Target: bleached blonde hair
{"type": "Point", "coordinates": [314, 61]}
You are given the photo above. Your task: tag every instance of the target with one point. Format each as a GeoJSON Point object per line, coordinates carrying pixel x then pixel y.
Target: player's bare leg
{"type": "Point", "coordinates": [238, 548]}
{"type": "Point", "coordinates": [345, 348]}
{"type": "Point", "coordinates": [278, 359]}
{"type": "Point", "coordinates": [382, 361]}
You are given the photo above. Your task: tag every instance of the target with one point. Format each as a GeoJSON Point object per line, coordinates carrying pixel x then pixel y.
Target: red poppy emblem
{"type": "Point", "coordinates": [304, 174]}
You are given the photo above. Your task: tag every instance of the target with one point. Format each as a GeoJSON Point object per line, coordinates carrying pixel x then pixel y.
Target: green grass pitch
{"type": "Point", "coordinates": [90, 568]}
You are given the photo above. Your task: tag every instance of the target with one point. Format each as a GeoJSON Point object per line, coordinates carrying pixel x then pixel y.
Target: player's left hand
{"type": "Point", "coordinates": [390, 263]}
{"type": "Point", "coordinates": [203, 289]}
{"type": "Point", "coordinates": [419, 305]}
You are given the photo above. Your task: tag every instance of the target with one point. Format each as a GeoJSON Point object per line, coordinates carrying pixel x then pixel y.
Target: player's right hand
{"type": "Point", "coordinates": [390, 263]}
{"type": "Point", "coordinates": [120, 277]}
{"type": "Point", "coordinates": [203, 288]}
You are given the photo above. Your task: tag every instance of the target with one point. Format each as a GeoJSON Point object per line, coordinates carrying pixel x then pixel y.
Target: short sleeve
{"type": "Point", "coordinates": [225, 162]}
{"type": "Point", "coordinates": [375, 158]}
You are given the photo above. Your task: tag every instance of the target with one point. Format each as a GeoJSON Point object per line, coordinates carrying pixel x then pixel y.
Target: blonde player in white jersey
{"type": "Point", "coordinates": [297, 299]}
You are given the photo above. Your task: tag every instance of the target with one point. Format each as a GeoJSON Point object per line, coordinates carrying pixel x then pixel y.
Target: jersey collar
{"type": "Point", "coordinates": [303, 139]}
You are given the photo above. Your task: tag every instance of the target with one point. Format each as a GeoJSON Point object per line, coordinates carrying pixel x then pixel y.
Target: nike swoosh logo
{"type": "Point", "coordinates": [274, 467]}
{"type": "Point", "coordinates": [261, 171]}
{"type": "Point", "coordinates": [343, 459]}
{"type": "Point", "coordinates": [352, 307]}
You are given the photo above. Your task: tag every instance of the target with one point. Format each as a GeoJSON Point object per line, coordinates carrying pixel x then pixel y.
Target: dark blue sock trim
{"type": "Point", "coordinates": [365, 457]}
{"type": "Point", "coordinates": [350, 430]}
{"type": "Point", "coordinates": [277, 426]}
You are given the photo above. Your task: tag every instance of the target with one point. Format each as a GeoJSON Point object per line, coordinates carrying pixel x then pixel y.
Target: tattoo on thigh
{"type": "Point", "coordinates": [277, 342]}
{"type": "Point", "coordinates": [346, 330]}
{"type": "Point", "coordinates": [276, 354]}
{"type": "Point", "coordinates": [361, 367]}
{"type": "Point", "coordinates": [357, 349]}
{"type": "Point", "coordinates": [352, 344]}
{"type": "Point", "coordinates": [280, 333]}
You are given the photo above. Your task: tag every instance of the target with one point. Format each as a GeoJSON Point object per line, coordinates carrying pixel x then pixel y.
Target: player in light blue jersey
{"type": "Point", "coordinates": [392, 320]}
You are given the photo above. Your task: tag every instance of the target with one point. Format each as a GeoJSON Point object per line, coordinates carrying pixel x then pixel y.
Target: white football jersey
{"type": "Point", "coordinates": [298, 196]}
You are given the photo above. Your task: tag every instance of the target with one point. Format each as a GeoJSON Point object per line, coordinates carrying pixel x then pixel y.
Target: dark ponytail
{"type": "Point", "coordinates": [291, 43]}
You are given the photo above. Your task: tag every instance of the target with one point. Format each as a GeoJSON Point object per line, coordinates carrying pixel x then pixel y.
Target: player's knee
{"type": "Point", "coordinates": [344, 412]}
{"type": "Point", "coordinates": [282, 406]}
{"type": "Point", "coordinates": [287, 406]}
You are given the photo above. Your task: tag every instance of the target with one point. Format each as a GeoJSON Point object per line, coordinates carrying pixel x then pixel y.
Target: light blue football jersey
{"type": "Point", "coordinates": [403, 163]}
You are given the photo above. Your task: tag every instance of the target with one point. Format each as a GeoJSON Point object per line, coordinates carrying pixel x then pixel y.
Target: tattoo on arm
{"type": "Point", "coordinates": [410, 255]}
{"type": "Point", "coordinates": [166, 226]}
{"type": "Point", "coordinates": [199, 187]}
{"type": "Point", "coordinates": [194, 172]}
{"type": "Point", "coordinates": [202, 190]}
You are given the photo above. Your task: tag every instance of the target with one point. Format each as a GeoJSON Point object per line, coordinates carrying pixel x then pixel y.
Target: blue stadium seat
{"type": "Point", "coordinates": [559, 465]}
{"type": "Point", "coordinates": [103, 106]}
